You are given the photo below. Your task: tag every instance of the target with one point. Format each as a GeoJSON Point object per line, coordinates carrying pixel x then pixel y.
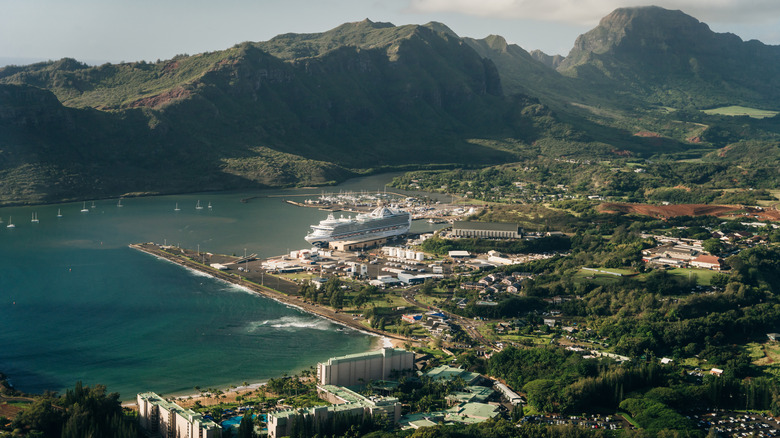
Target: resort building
{"type": "Point", "coordinates": [345, 403]}
{"type": "Point", "coordinates": [464, 413]}
{"type": "Point", "coordinates": [361, 368]}
{"type": "Point", "coordinates": [445, 372]}
{"type": "Point", "coordinates": [159, 417]}
{"type": "Point", "coordinates": [496, 230]}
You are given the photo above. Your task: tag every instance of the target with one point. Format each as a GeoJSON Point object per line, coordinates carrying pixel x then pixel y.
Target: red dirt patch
{"type": "Point", "coordinates": [171, 66]}
{"type": "Point", "coordinates": [647, 134]}
{"type": "Point", "coordinates": [8, 411]}
{"type": "Point", "coordinates": [162, 98]}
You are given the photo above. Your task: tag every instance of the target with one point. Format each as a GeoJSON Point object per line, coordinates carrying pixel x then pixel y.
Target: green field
{"type": "Point", "coordinates": [736, 110]}
{"type": "Point", "coordinates": [602, 276]}
{"type": "Point", "coordinates": [703, 276]}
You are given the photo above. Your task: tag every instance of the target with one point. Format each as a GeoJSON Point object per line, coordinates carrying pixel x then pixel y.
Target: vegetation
{"type": "Point", "coordinates": [82, 411]}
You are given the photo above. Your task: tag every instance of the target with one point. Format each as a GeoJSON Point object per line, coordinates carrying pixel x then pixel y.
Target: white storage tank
{"type": "Point", "coordinates": [420, 256]}
{"type": "Point", "coordinates": [410, 255]}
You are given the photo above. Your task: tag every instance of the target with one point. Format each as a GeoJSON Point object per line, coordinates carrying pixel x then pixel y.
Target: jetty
{"type": "Point", "coordinates": [180, 257]}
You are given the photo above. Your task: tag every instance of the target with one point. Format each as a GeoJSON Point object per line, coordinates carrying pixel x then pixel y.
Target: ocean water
{"type": "Point", "coordinates": [77, 304]}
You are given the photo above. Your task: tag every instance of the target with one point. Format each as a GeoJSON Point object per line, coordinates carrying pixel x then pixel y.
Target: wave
{"type": "Point", "coordinates": [292, 323]}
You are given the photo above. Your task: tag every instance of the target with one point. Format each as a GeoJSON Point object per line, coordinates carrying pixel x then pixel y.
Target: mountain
{"type": "Point", "coordinates": [550, 61]}
{"type": "Point", "coordinates": [520, 72]}
{"type": "Point", "coordinates": [311, 109]}
{"type": "Point", "coordinates": [668, 58]}
{"type": "Point", "coordinates": [297, 109]}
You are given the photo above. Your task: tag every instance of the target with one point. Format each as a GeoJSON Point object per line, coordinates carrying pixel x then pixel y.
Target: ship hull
{"type": "Point", "coordinates": [369, 227]}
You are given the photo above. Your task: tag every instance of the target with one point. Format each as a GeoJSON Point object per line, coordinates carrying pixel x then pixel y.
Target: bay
{"type": "Point", "coordinates": [77, 304]}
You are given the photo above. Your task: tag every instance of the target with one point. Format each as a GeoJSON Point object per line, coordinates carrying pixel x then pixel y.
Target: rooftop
{"type": "Point", "coordinates": [387, 352]}
{"type": "Point", "coordinates": [486, 226]}
{"type": "Point", "coordinates": [449, 373]}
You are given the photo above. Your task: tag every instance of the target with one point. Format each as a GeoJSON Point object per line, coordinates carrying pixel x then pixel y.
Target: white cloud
{"type": "Point", "coordinates": [589, 12]}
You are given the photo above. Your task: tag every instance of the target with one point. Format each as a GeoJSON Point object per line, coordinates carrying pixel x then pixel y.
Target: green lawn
{"type": "Point", "coordinates": [603, 277]}
{"type": "Point", "coordinates": [736, 110]}
{"type": "Point", "coordinates": [703, 276]}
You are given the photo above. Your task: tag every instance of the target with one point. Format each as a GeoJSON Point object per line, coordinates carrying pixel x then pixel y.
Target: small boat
{"type": "Point", "coordinates": [1, 220]}
{"type": "Point", "coordinates": [93, 204]}
{"type": "Point", "coordinates": [59, 212]}
{"type": "Point", "coordinates": [10, 222]}
{"type": "Point", "coordinates": [198, 206]}
{"type": "Point", "coordinates": [177, 207]}
{"type": "Point", "coordinates": [209, 205]}
{"type": "Point", "coordinates": [119, 203]}
{"type": "Point", "coordinates": [34, 218]}
{"type": "Point", "coordinates": [84, 208]}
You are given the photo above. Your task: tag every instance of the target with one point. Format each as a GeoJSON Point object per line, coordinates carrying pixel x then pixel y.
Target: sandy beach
{"type": "Point", "coordinates": [335, 316]}
{"type": "Point", "coordinates": [229, 395]}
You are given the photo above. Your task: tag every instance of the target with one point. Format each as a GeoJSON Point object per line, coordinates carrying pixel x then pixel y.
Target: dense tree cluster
{"type": "Point", "coordinates": [82, 412]}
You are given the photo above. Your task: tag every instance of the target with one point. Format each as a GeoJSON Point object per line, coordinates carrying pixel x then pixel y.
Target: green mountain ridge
{"type": "Point", "coordinates": [309, 109]}
{"type": "Point", "coordinates": [403, 96]}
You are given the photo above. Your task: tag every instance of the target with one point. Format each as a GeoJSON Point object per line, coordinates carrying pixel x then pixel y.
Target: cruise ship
{"type": "Point", "coordinates": [380, 223]}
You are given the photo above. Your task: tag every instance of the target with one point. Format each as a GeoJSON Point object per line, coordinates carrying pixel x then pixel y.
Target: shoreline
{"type": "Point", "coordinates": [382, 339]}
{"type": "Point", "coordinates": [295, 302]}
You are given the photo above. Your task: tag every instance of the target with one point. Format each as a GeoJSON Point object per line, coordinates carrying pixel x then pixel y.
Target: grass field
{"type": "Point", "coordinates": [602, 276]}
{"type": "Point", "coordinates": [766, 355]}
{"type": "Point", "coordinates": [703, 276]}
{"type": "Point", "coordinates": [736, 110]}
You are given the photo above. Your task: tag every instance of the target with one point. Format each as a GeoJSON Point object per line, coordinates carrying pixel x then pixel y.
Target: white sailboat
{"type": "Point", "coordinates": [177, 207]}
{"type": "Point", "coordinates": [209, 205]}
{"type": "Point", "coordinates": [93, 204]}
{"type": "Point", "coordinates": [10, 222]}
{"type": "Point", "coordinates": [1, 220]}
{"type": "Point", "coordinates": [34, 218]}
{"type": "Point", "coordinates": [119, 203]}
{"type": "Point", "coordinates": [84, 208]}
{"type": "Point", "coordinates": [198, 206]}
{"type": "Point", "coordinates": [59, 212]}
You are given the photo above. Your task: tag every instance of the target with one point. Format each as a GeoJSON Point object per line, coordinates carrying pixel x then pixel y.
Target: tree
{"type": "Point", "coordinates": [713, 246]}
{"type": "Point", "coordinates": [246, 429]}
{"type": "Point", "coordinates": [337, 299]}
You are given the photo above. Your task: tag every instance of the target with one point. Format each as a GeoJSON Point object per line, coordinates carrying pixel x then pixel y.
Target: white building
{"type": "Point", "coordinates": [362, 368]}
{"type": "Point", "coordinates": [159, 417]}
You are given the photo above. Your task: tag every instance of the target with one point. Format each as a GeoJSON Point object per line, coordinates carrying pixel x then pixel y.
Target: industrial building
{"type": "Point", "coordinates": [361, 368]}
{"type": "Point", "coordinates": [355, 245]}
{"type": "Point", "coordinates": [159, 417]}
{"type": "Point", "coordinates": [487, 230]}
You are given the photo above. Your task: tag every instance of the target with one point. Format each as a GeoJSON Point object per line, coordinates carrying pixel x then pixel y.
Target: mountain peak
{"type": "Point", "coordinates": [440, 28]}
{"type": "Point", "coordinates": [644, 26]}
{"type": "Point", "coordinates": [670, 56]}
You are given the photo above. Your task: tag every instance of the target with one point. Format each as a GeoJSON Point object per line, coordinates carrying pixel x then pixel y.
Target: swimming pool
{"type": "Point", "coordinates": [235, 421]}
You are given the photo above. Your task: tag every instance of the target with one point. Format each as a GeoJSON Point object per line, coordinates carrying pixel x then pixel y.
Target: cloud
{"type": "Point", "coordinates": [589, 12]}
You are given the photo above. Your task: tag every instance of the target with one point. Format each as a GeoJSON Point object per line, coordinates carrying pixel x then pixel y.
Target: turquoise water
{"type": "Point", "coordinates": [235, 421]}
{"type": "Point", "coordinates": [77, 304]}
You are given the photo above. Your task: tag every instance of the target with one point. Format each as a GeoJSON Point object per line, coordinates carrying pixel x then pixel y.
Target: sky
{"type": "Point", "coordinates": [98, 31]}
